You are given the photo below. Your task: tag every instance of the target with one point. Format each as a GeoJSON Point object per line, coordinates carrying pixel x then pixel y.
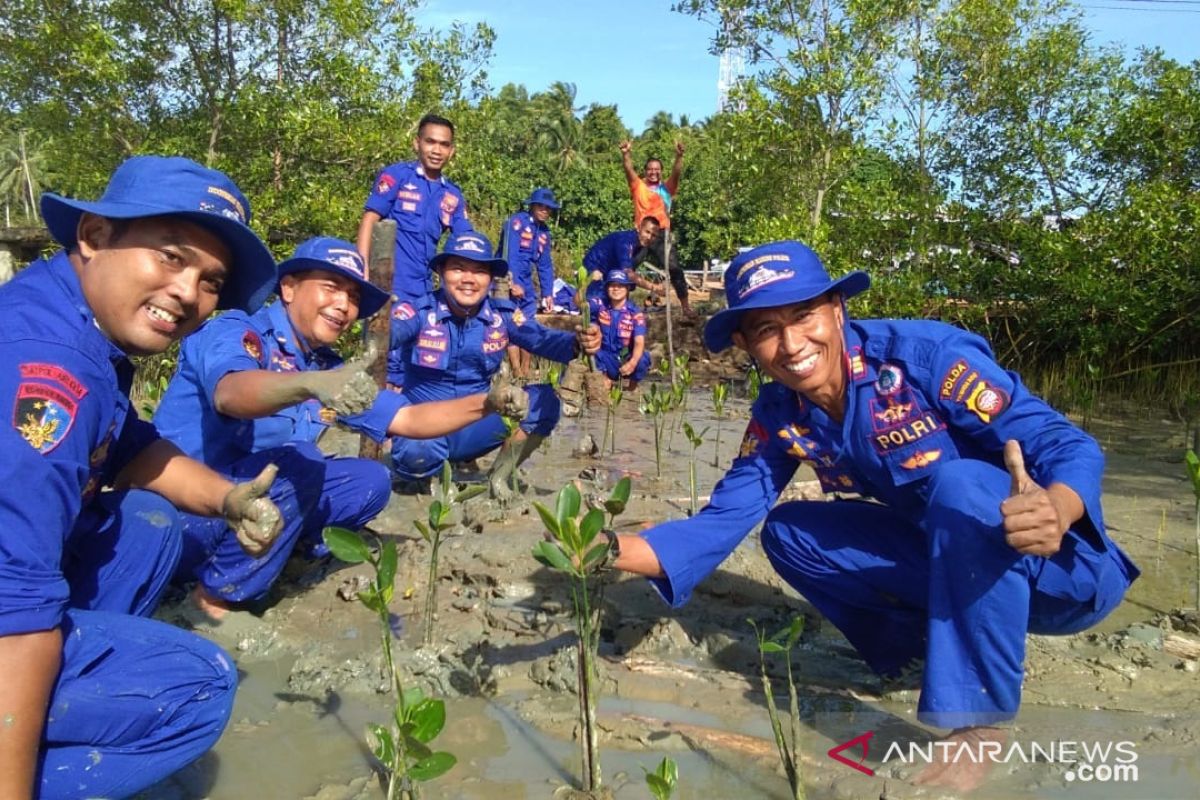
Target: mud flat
{"type": "Point", "coordinates": [684, 683]}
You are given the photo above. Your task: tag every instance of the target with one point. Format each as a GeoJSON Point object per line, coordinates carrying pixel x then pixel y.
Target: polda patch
{"type": "Point", "coordinates": [45, 406]}
{"type": "Point", "coordinates": [252, 344]}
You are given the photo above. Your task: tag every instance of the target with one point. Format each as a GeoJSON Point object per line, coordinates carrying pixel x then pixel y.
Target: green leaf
{"type": "Point", "coordinates": [668, 770]}
{"type": "Point", "coordinates": [470, 492]}
{"type": "Point", "coordinates": [432, 767]}
{"type": "Point", "coordinates": [1193, 468]}
{"type": "Point", "coordinates": [552, 556]}
{"type": "Point", "coordinates": [619, 497]}
{"type": "Point", "coordinates": [428, 718]}
{"type": "Point", "coordinates": [548, 519]}
{"type": "Point", "coordinates": [770, 647]}
{"type": "Point", "coordinates": [447, 474]}
{"type": "Point", "coordinates": [567, 505]}
{"type": "Point", "coordinates": [595, 555]}
{"type": "Point", "coordinates": [659, 788]}
{"type": "Point", "coordinates": [386, 577]}
{"type": "Point", "coordinates": [592, 522]}
{"type": "Point", "coordinates": [346, 545]}
{"type": "Point", "coordinates": [380, 740]}
{"type": "Point", "coordinates": [372, 600]}
{"type": "Point", "coordinates": [437, 514]}
{"type": "Point", "coordinates": [423, 529]}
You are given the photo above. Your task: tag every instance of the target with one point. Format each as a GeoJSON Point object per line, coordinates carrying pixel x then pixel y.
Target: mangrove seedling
{"type": "Point", "coordinates": [720, 391]}
{"type": "Point", "coordinates": [663, 780]}
{"type": "Point", "coordinates": [656, 402]}
{"type": "Point", "coordinates": [441, 510]}
{"type": "Point", "coordinates": [789, 751]}
{"type": "Point", "coordinates": [695, 439]}
{"type": "Point", "coordinates": [574, 546]}
{"type": "Point", "coordinates": [1193, 469]}
{"type": "Point", "coordinates": [615, 393]}
{"type": "Point", "coordinates": [403, 746]}
{"type": "Point", "coordinates": [754, 382]}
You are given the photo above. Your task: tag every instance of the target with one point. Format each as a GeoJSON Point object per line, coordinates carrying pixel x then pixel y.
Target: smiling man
{"type": "Point", "coordinates": [144, 265]}
{"type": "Point", "coordinates": [961, 553]}
{"type": "Point", "coordinates": [456, 341]}
{"type": "Point", "coordinates": [253, 389]}
{"type": "Point", "coordinates": [422, 201]}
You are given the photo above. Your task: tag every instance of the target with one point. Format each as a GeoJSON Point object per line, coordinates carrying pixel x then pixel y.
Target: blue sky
{"type": "Point", "coordinates": [591, 43]}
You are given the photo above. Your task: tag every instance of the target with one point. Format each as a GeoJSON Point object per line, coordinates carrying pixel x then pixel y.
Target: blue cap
{"type": "Point", "coordinates": [152, 186]}
{"type": "Point", "coordinates": [341, 258]}
{"type": "Point", "coordinates": [473, 246]}
{"type": "Point", "coordinates": [618, 276]}
{"type": "Point", "coordinates": [543, 197]}
{"type": "Point", "coordinates": [773, 275]}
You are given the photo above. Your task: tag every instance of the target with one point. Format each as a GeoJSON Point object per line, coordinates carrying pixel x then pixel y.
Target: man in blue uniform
{"type": "Point", "coordinates": [525, 243]}
{"type": "Point", "coordinates": [253, 389]}
{"type": "Point", "coordinates": [622, 356]}
{"type": "Point", "coordinates": [98, 702]}
{"type": "Point", "coordinates": [617, 251]}
{"type": "Point", "coordinates": [457, 339]}
{"type": "Point", "coordinates": [965, 551]}
{"type": "Point", "coordinates": [423, 203]}
{"type": "Point", "coordinates": [525, 246]}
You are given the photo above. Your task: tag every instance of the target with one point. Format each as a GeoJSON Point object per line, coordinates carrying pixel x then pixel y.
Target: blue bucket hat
{"type": "Point", "coordinates": [341, 258]}
{"type": "Point", "coordinates": [773, 275]}
{"type": "Point", "coordinates": [543, 197]}
{"type": "Point", "coordinates": [618, 276]}
{"type": "Point", "coordinates": [152, 186]}
{"type": "Point", "coordinates": [473, 246]}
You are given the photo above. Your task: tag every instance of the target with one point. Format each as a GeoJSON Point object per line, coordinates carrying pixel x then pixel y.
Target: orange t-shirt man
{"type": "Point", "coordinates": [651, 195]}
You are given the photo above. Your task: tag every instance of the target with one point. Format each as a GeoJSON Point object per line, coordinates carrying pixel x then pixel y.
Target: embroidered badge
{"type": "Point", "coordinates": [890, 380]}
{"type": "Point", "coordinates": [43, 415]}
{"type": "Point", "coordinates": [753, 440]}
{"type": "Point", "coordinates": [45, 406]}
{"type": "Point", "coordinates": [921, 459]}
{"type": "Point", "coordinates": [404, 311]}
{"type": "Point", "coordinates": [798, 446]}
{"type": "Point", "coordinates": [386, 182]}
{"type": "Point", "coordinates": [950, 379]}
{"type": "Point", "coordinates": [986, 401]}
{"type": "Point", "coordinates": [327, 415]}
{"type": "Point", "coordinates": [856, 366]}
{"type": "Point", "coordinates": [518, 317]}
{"type": "Point", "coordinates": [253, 346]}
{"type": "Point", "coordinates": [909, 432]}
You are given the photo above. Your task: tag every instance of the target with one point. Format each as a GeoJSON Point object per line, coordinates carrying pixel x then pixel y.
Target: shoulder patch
{"type": "Point", "coordinates": [45, 406]}
{"type": "Point", "coordinates": [986, 401]}
{"type": "Point", "coordinates": [403, 311]}
{"type": "Point", "coordinates": [516, 223]}
{"type": "Point", "coordinates": [950, 379]}
{"type": "Point", "coordinates": [252, 344]}
{"type": "Point", "coordinates": [753, 440]}
{"type": "Point", "coordinates": [386, 183]}
{"type": "Point", "coordinates": [518, 317]}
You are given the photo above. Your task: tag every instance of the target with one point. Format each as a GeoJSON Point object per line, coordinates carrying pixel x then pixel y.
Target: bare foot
{"type": "Point", "coordinates": [965, 759]}
{"type": "Point", "coordinates": [210, 606]}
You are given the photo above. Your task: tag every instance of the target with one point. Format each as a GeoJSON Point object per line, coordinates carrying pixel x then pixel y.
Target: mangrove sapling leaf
{"type": "Point", "coordinates": [346, 545]}
{"type": "Point", "coordinates": [423, 529]}
{"type": "Point", "coordinates": [439, 520]}
{"type": "Point", "coordinates": [402, 750]}
{"type": "Point", "coordinates": [663, 780]}
{"type": "Point", "coordinates": [782, 642]}
{"type": "Point", "coordinates": [619, 498]}
{"type": "Point", "coordinates": [574, 550]}
{"type": "Point", "coordinates": [720, 391]}
{"type": "Point", "coordinates": [695, 439]}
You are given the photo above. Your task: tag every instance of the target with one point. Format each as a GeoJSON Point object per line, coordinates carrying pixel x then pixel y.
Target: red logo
{"type": "Point", "coordinates": [859, 741]}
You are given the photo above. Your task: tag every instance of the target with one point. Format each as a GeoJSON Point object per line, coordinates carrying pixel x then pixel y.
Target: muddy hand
{"type": "Point", "coordinates": [349, 389]}
{"type": "Point", "coordinates": [589, 339]}
{"type": "Point", "coordinates": [503, 396]}
{"type": "Point", "coordinates": [1032, 524]}
{"type": "Point", "coordinates": [251, 514]}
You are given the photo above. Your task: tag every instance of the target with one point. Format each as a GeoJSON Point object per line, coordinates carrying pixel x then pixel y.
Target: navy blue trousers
{"type": "Point", "coordinates": [421, 458]}
{"type": "Point", "coordinates": [313, 491]}
{"type": "Point", "coordinates": [947, 589]}
{"type": "Point", "coordinates": [135, 700]}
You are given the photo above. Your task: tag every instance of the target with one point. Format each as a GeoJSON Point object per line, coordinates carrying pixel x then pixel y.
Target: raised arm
{"type": "Point", "coordinates": [672, 182]}
{"type": "Point", "coordinates": [627, 162]}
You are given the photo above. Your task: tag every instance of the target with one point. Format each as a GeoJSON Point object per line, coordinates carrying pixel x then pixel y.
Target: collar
{"type": "Point", "coordinates": [443, 312]}
{"type": "Point", "coordinates": [62, 273]}
{"type": "Point", "coordinates": [420, 170]}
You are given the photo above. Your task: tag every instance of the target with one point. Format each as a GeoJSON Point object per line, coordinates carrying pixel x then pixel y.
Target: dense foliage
{"type": "Point", "coordinates": [983, 159]}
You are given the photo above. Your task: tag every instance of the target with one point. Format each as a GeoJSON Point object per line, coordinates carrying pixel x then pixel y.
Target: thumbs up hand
{"type": "Point", "coordinates": [1035, 519]}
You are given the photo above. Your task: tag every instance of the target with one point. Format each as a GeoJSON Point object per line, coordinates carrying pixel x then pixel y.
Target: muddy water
{"type": "Point", "coordinates": [685, 683]}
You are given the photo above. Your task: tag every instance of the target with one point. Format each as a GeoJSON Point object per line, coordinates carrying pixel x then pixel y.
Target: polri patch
{"type": "Point", "coordinates": [753, 440]}
{"type": "Point", "coordinates": [986, 401]}
{"type": "Point", "coordinates": [890, 380]}
{"type": "Point", "coordinates": [43, 414]}
{"type": "Point", "coordinates": [252, 344]}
